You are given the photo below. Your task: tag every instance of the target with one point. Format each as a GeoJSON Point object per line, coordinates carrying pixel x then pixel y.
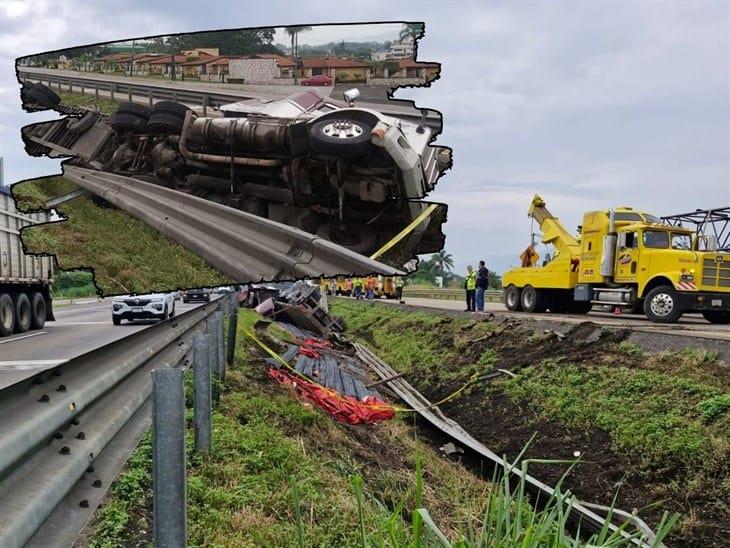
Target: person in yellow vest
{"type": "Point", "coordinates": [470, 284]}
{"type": "Point", "coordinates": [399, 289]}
{"type": "Point", "coordinates": [357, 286]}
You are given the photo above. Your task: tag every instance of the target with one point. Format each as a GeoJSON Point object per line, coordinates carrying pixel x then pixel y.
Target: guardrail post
{"type": "Point", "coordinates": [203, 397]}
{"type": "Point", "coordinates": [111, 90]}
{"type": "Point", "coordinates": [232, 329]}
{"type": "Point", "coordinates": [83, 89]}
{"type": "Point", "coordinates": [168, 465]}
{"type": "Point", "coordinates": [149, 95]}
{"type": "Point", "coordinates": [205, 105]}
{"type": "Point", "coordinates": [96, 91]}
{"type": "Point", "coordinates": [220, 346]}
{"type": "Point", "coordinates": [129, 92]}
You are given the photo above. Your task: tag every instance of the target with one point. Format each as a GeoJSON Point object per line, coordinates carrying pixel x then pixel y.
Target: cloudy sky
{"type": "Point", "coordinates": [591, 104]}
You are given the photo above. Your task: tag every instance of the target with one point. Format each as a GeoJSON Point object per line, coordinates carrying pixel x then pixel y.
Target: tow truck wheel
{"type": "Point", "coordinates": [717, 316]}
{"type": "Point", "coordinates": [23, 314]}
{"type": "Point", "coordinates": [661, 305]}
{"type": "Point", "coordinates": [512, 299]}
{"type": "Point", "coordinates": [7, 315]}
{"type": "Point", "coordinates": [533, 300]}
{"type": "Point", "coordinates": [38, 310]}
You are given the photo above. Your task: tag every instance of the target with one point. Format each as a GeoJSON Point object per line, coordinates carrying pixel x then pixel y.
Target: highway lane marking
{"type": "Point", "coordinates": [5, 341]}
{"type": "Point", "coordinates": [84, 323]}
{"type": "Point", "coordinates": [21, 365]}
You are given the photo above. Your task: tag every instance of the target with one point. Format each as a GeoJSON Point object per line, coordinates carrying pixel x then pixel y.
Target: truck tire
{"type": "Point", "coordinates": [170, 107]}
{"type": "Point", "coordinates": [512, 299]}
{"type": "Point", "coordinates": [42, 95]}
{"type": "Point", "coordinates": [7, 315]}
{"type": "Point", "coordinates": [38, 310]}
{"type": "Point", "coordinates": [128, 123]}
{"type": "Point", "coordinates": [140, 111]}
{"type": "Point", "coordinates": [661, 305]}
{"type": "Point", "coordinates": [341, 137]}
{"type": "Point", "coordinates": [533, 300]}
{"type": "Point", "coordinates": [717, 316]}
{"type": "Point", "coordinates": [161, 122]}
{"type": "Point", "coordinates": [23, 313]}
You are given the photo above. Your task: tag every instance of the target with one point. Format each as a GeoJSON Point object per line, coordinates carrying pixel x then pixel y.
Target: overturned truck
{"type": "Point", "coordinates": [348, 174]}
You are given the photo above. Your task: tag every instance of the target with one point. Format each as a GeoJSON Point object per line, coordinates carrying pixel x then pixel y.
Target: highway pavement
{"type": "Point", "coordinates": [692, 325]}
{"type": "Point", "coordinates": [78, 329]}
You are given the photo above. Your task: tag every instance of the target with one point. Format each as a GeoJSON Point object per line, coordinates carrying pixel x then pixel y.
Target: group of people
{"type": "Point", "coordinates": [364, 288]}
{"type": "Point", "coordinates": [476, 284]}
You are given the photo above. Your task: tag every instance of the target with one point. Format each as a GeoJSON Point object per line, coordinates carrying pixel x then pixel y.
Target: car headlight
{"type": "Point", "coordinates": [116, 306]}
{"type": "Point", "coordinates": [157, 306]}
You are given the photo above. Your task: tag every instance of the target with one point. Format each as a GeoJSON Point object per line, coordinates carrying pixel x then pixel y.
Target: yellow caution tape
{"type": "Point", "coordinates": [405, 232]}
{"type": "Point", "coordinates": [271, 352]}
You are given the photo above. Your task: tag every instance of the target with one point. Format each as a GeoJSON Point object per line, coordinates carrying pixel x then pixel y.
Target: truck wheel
{"type": "Point", "coordinates": [341, 136]}
{"type": "Point", "coordinates": [170, 107]}
{"type": "Point", "coordinates": [717, 316]}
{"type": "Point", "coordinates": [23, 313]}
{"type": "Point", "coordinates": [140, 111]}
{"type": "Point", "coordinates": [661, 305]}
{"type": "Point", "coordinates": [533, 300]}
{"type": "Point", "coordinates": [43, 95]}
{"type": "Point", "coordinates": [512, 299]}
{"type": "Point", "coordinates": [7, 315]}
{"type": "Point", "coordinates": [38, 310]}
{"type": "Point", "coordinates": [128, 123]}
{"type": "Point", "coordinates": [161, 122]}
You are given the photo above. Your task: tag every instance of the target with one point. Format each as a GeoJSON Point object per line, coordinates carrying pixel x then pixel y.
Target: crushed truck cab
{"type": "Point", "coordinates": [626, 258]}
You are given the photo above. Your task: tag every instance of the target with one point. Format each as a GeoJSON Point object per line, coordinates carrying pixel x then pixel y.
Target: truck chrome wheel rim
{"type": "Point", "coordinates": [511, 298]}
{"type": "Point", "coordinates": [528, 299]}
{"type": "Point", "coordinates": [342, 129]}
{"type": "Point", "coordinates": [662, 304]}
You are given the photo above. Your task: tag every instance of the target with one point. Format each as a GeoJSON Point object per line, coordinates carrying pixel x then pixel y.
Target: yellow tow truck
{"type": "Point", "coordinates": [622, 258]}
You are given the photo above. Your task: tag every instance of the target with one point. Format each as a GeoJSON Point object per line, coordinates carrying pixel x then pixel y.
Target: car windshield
{"type": "Point", "coordinates": [656, 239]}
{"type": "Point", "coordinates": [681, 241]}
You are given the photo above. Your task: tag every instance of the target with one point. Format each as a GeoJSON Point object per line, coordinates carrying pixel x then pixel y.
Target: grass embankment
{"type": "Point", "coordinates": [88, 100]}
{"type": "Point", "coordinates": [664, 418]}
{"type": "Point", "coordinates": [125, 254]}
{"type": "Point", "coordinates": [281, 468]}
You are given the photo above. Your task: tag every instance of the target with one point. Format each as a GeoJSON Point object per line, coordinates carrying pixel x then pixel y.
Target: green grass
{"type": "Point", "coordinates": [88, 100]}
{"type": "Point", "coordinates": [125, 254]}
{"type": "Point", "coordinates": [283, 473]}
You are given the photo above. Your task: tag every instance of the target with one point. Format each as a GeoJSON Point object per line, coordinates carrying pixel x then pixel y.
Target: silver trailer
{"type": "Point", "coordinates": [25, 280]}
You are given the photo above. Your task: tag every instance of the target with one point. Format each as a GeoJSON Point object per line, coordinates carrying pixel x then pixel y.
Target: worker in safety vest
{"type": "Point", "coordinates": [370, 284]}
{"type": "Point", "coordinates": [399, 289]}
{"type": "Point", "coordinates": [357, 286]}
{"type": "Point", "coordinates": [470, 284]}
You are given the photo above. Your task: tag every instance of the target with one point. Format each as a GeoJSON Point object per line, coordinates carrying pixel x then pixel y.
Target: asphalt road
{"type": "Point", "coordinates": [690, 324]}
{"type": "Point", "coordinates": [78, 329]}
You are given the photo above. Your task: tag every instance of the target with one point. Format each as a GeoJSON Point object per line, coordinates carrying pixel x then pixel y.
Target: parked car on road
{"type": "Point", "coordinates": [154, 306]}
{"type": "Point", "coordinates": [199, 295]}
{"type": "Point", "coordinates": [317, 80]}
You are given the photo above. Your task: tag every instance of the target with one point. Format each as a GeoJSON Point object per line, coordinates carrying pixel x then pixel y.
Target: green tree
{"type": "Point", "coordinates": [443, 261]}
{"type": "Point", "coordinates": [412, 31]}
{"type": "Point", "coordinates": [293, 33]}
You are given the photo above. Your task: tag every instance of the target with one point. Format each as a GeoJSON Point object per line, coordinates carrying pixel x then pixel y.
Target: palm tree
{"type": "Point", "coordinates": [411, 30]}
{"type": "Point", "coordinates": [293, 33]}
{"type": "Point", "coordinates": [443, 261]}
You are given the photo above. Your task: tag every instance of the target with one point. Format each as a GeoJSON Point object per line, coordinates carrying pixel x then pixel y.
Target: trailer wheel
{"type": "Point", "coordinates": [717, 316]}
{"type": "Point", "coordinates": [23, 313]}
{"type": "Point", "coordinates": [140, 111]}
{"type": "Point", "coordinates": [7, 315]}
{"type": "Point", "coordinates": [170, 107]}
{"type": "Point", "coordinates": [128, 123]}
{"type": "Point", "coordinates": [512, 299]}
{"type": "Point", "coordinates": [661, 306]}
{"type": "Point", "coordinates": [533, 300]}
{"type": "Point", "coordinates": [161, 122]}
{"type": "Point", "coordinates": [38, 310]}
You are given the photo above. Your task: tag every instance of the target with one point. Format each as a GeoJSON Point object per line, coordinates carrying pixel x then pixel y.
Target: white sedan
{"type": "Point", "coordinates": [155, 306]}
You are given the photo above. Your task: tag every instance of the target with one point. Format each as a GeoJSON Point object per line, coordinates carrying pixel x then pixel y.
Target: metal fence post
{"type": "Point", "coordinates": [96, 91]}
{"type": "Point", "coordinates": [203, 397]}
{"type": "Point", "coordinates": [220, 346]}
{"type": "Point", "coordinates": [111, 90]}
{"type": "Point", "coordinates": [232, 329]}
{"type": "Point", "coordinates": [149, 95]}
{"type": "Point", "coordinates": [168, 465]}
{"type": "Point", "coordinates": [205, 105]}
{"type": "Point", "coordinates": [211, 330]}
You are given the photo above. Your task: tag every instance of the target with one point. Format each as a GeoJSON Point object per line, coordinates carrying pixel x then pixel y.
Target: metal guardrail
{"type": "Point", "coordinates": [160, 92]}
{"type": "Point", "coordinates": [66, 432]}
{"type": "Point", "coordinates": [490, 296]}
{"type": "Point", "coordinates": [243, 246]}
{"type": "Point", "coordinates": [586, 518]}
